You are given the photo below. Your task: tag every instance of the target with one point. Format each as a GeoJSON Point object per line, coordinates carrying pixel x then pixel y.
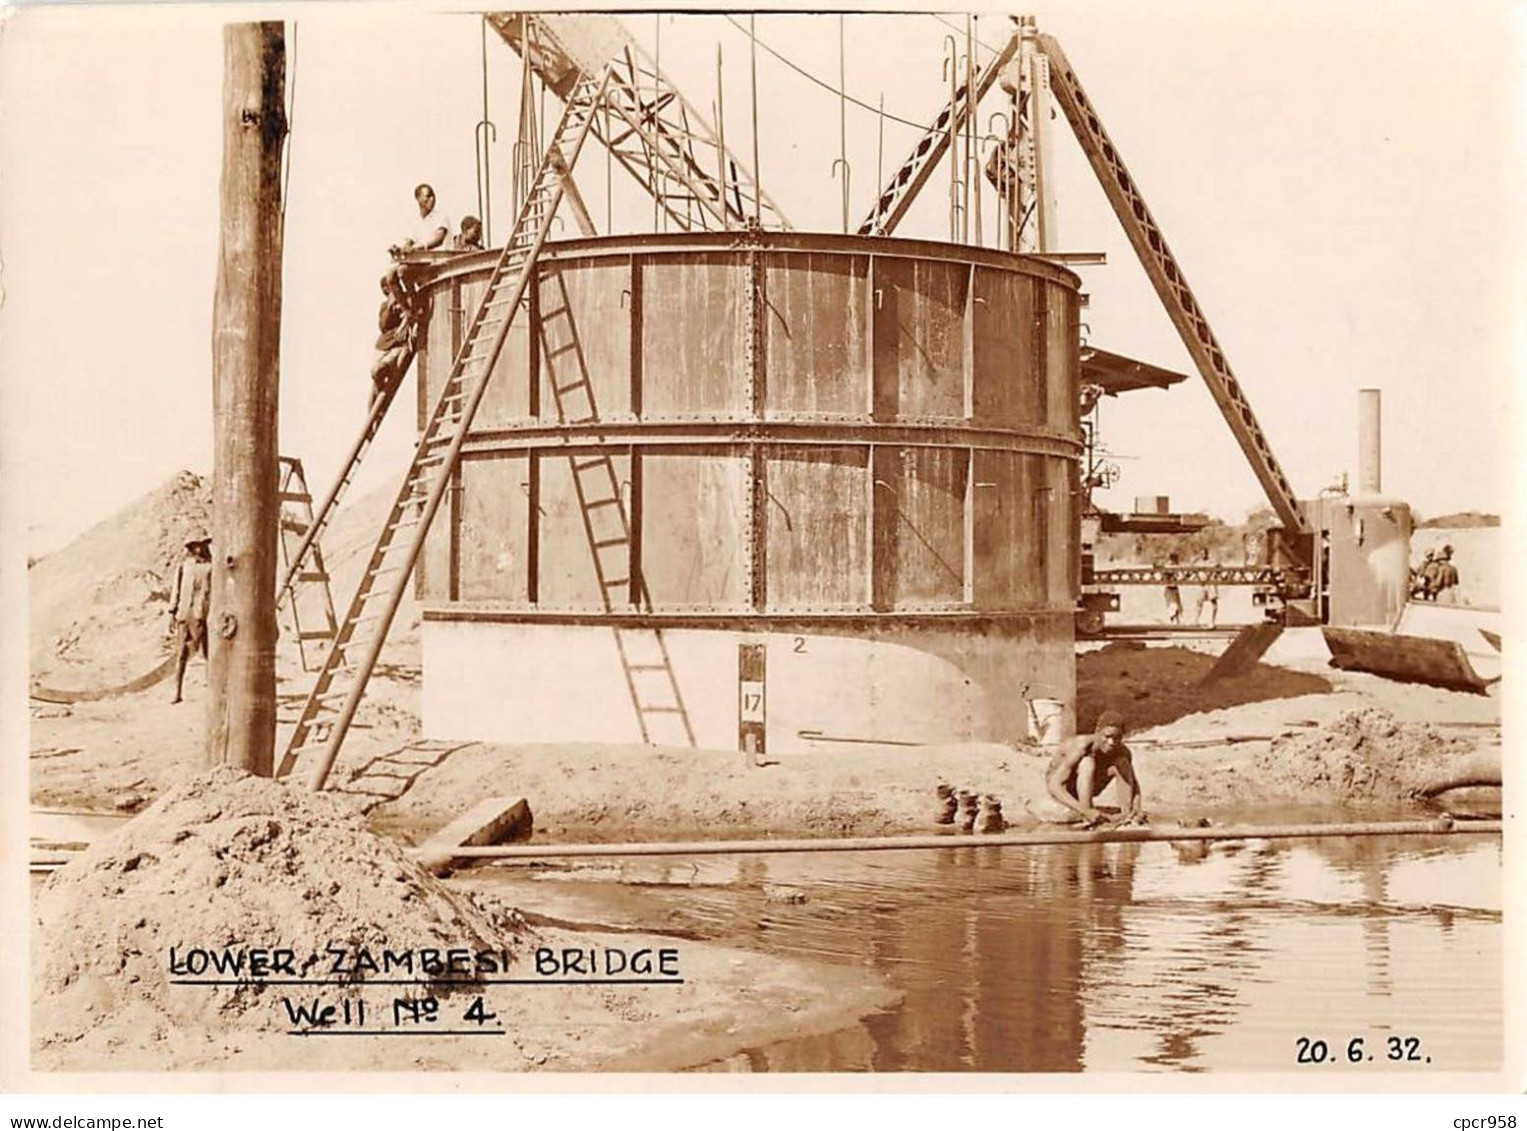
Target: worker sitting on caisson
{"type": "Point", "coordinates": [1083, 767]}
{"type": "Point", "coordinates": [470, 236]}
{"type": "Point", "coordinates": [431, 232]}
{"type": "Point", "coordinates": [431, 229]}
{"type": "Point", "coordinates": [188, 606]}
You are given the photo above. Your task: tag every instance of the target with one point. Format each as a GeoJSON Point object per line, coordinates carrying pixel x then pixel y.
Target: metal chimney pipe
{"type": "Point", "coordinates": [1369, 443]}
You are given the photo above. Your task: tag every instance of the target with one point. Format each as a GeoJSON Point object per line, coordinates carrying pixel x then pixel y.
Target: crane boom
{"type": "Point", "coordinates": [1172, 288]}
{"type": "Point", "coordinates": [658, 137]}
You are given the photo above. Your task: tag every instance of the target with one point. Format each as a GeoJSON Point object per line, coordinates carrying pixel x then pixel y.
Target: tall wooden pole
{"type": "Point", "coordinates": [246, 327]}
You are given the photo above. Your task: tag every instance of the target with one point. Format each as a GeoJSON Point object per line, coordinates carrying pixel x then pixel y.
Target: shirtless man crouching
{"type": "Point", "coordinates": [1083, 767]}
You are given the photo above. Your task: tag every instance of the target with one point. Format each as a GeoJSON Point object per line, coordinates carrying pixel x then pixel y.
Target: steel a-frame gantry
{"type": "Point", "coordinates": [1042, 71]}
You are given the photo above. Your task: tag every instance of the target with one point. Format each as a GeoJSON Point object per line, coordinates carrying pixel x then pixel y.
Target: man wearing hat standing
{"type": "Point", "coordinates": [188, 606]}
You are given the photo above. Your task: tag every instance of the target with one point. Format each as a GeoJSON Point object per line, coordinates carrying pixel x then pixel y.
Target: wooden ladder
{"type": "Point", "coordinates": [303, 585]}
{"type": "Point", "coordinates": [341, 684]}
{"type": "Point", "coordinates": [644, 657]}
{"type": "Point", "coordinates": [307, 546]}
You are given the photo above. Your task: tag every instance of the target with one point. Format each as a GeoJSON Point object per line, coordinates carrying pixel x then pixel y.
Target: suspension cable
{"type": "Point", "coordinates": [827, 86]}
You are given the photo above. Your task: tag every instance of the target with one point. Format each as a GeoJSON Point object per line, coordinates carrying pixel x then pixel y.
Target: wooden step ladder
{"type": "Point", "coordinates": [341, 683]}
{"type": "Point", "coordinates": [304, 601]}
{"type": "Point", "coordinates": [644, 658]}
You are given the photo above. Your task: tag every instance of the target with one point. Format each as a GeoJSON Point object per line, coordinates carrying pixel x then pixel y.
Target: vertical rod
{"type": "Point", "coordinates": [753, 79]}
{"type": "Point", "coordinates": [659, 215]}
{"type": "Point", "coordinates": [246, 358]}
{"type": "Point", "coordinates": [609, 176]}
{"type": "Point", "coordinates": [880, 147]}
{"type": "Point", "coordinates": [970, 130]}
{"type": "Point", "coordinates": [720, 129]}
{"type": "Point", "coordinates": [843, 118]}
{"type": "Point", "coordinates": [954, 163]}
{"type": "Point", "coordinates": [485, 203]}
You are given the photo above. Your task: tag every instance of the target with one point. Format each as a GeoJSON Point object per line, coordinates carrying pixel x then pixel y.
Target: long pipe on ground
{"type": "Point", "coordinates": [989, 840]}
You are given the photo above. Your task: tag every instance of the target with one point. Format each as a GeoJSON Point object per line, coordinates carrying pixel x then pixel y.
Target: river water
{"type": "Point", "coordinates": [1124, 957]}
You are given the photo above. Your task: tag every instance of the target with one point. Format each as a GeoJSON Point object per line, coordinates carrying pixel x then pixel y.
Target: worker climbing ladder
{"type": "Point", "coordinates": [304, 598]}
{"type": "Point", "coordinates": [644, 658]}
{"type": "Point", "coordinates": [298, 561]}
{"type": "Point", "coordinates": [331, 705]}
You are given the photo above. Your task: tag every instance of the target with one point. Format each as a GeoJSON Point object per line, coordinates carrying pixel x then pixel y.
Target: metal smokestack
{"type": "Point", "coordinates": [1369, 444]}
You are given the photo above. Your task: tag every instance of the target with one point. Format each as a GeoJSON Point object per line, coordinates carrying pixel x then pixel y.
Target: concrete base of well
{"type": "Point", "coordinates": [498, 680]}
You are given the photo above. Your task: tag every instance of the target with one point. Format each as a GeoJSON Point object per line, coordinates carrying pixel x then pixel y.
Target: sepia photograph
{"type": "Point", "coordinates": [760, 542]}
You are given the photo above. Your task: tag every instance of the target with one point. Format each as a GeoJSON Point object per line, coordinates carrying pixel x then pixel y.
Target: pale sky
{"type": "Point", "coordinates": [1335, 179]}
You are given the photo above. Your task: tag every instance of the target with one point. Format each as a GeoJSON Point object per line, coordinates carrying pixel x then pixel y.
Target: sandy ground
{"type": "Point", "coordinates": [1195, 753]}
{"type": "Point", "coordinates": [227, 862]}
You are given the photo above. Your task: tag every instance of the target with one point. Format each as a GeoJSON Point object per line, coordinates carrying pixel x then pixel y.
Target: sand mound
{"type": "Point", "coordinates": [1155, 686]}
{"type": "Point", "coordinates": [229, 860]}
{"type": "Point", "coordinates": [1364, 755]}
{"type": "Point", "coordinates": [98, 605]}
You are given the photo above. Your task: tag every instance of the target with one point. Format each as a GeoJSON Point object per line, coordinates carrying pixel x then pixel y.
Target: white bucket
{"type": "Point", "coordinates": [1049, 719]}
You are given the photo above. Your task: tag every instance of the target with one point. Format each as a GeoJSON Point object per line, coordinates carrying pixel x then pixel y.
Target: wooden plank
{"type": "Point", "coordinates": [1249, 646]}
{"type": "Point", "coordinates": [492, 821]}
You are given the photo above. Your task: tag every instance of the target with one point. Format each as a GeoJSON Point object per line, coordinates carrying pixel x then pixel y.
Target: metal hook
{"type": "Point", "coordinates": [847, 175]}
{"type": "Point", "coordinates": [952, 59]}
{"type": "Point", "coordinates": [482, 151]}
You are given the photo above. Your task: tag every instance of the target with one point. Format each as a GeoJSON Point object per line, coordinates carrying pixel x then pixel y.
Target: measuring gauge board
{"type": "Point", "coordinates": [751, 668]}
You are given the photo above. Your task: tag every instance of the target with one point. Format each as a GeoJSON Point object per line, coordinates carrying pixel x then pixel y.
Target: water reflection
{"type": "Point", "coordinates": [1184, 957]}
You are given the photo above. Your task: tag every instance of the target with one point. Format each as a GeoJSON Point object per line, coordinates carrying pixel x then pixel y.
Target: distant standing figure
{"type": "Point", "coordinates": [1421, 577]}
{"type": "Point", "coordinates": [1446, 573]}
{"type": "Point", "coordinates": [1208, 595]}
{"type": "Point", "coordinates": [1172, 593]}
{"type": "Point", "coordinates": [470, 236]}
{"type": "Point", "coordinates": [1251, 546]}
{"type": "Point", "coordinates": [188, 606]}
